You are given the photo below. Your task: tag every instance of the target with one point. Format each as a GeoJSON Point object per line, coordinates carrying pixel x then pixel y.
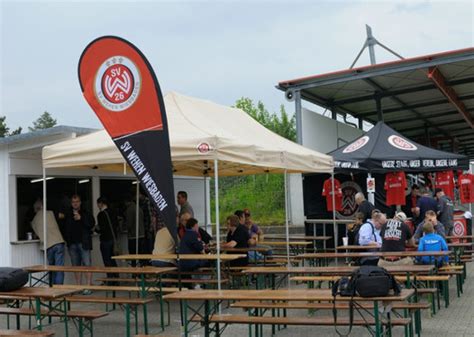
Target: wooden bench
{"type": "Point", "coordinates": [85, 318]}
{"type": "Point", "coordinates": [126, 302]}
{"type": "Point", "coordinates": [115, 288]}
{"type": "Point", "coordinates": [312, 321]}
{"type": "Point", "coordinates": [26, 333]}
{"type": "Point", "coordinates": [164, 280]}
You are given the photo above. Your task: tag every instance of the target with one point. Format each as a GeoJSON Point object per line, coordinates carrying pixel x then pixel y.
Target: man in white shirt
{"type": "Point", "coordinates": [369, 235]}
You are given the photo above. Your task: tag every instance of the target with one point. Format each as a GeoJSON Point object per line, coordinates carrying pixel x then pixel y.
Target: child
{"type": "Point", "coordinates": [431, 242]}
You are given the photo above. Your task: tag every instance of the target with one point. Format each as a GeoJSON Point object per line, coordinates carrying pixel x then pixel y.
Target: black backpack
{"type": "Point", "coordinates": [366, 281]}
{"type": "Point", "coordinates": [12, 278]}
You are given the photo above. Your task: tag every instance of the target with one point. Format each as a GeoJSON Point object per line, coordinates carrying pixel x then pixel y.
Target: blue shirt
{"type": "Point", "coordinates": [432, 243]}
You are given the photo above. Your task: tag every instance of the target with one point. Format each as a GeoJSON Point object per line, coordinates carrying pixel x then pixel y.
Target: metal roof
{"type": "Point", "coordinates": [427, 94]}
{"type": "Point", "coordinates": [42, 133]}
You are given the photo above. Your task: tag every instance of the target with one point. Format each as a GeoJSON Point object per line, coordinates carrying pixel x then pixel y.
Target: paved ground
{"type": "Point", "coordinates": [456, 321]}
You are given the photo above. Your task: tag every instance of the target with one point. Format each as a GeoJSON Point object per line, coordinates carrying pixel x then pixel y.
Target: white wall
{"type": "Point", "coordinates": [321, 134]}
{"type": "Point", "coordinates": [4, 209]}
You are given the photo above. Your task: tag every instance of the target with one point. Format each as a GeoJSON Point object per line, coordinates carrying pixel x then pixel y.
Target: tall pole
{"type": "Point", "coordinates": [45, 239]}
{"type": "Point", "coordinates": [334, 225]}
{"type": "Point", "coordinates": [205, 203]}
{"type": "Point", "coordinates": [299, 122]}
{"type": "Point", "coordinates": [286, 222]}
{"type": "Point", "coordinates": [137, 217]}
{"type": "Point", "coordinates": [371, 42]}
{"type": "Point", "coordinates": [218, 228]}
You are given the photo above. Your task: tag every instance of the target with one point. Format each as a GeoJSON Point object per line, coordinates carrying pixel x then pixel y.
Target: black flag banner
{"type": "Point", "coordinates": [119, 84]}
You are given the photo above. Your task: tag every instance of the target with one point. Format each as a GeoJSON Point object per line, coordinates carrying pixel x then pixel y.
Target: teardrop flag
{"type": "Point", "coordinates": [119, 84]}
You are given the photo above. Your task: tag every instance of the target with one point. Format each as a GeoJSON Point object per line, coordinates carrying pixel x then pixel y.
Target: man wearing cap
{"type": "Point", "coordinates": [445, 210]}
{"type": "Point", "coordinates": [396, 235]}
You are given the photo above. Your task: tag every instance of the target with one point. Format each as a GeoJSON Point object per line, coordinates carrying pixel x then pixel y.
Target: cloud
{"type": "Point", "coordinates": [214, 50]}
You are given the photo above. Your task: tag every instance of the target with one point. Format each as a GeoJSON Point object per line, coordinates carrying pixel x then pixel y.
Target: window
{"type": "Point", "coordinates": [59, 192]}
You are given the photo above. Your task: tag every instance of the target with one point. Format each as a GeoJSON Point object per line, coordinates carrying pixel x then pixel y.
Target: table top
{"type": "Point", "coordinates": [450, 237]}
{"type": "Point", "coordinates": [284, 243]}
{"type": "Point", "coordinates": [246, 250]}
{"type": "Point", "coordinates": [342, 270]}
{"type": "Point", "coordinates": [460, 244]}
{"type": "Point", "coordinates": [297, 237]}
{"type": "Point", "coordinates": [37, 292]}
{"type": "Point", "coordinates": [331, 255]}
{"type": "Point", "coordinates": [277, 295]}
{"type": "Point", "coordinates": [356, 247]}
{"type": "Point", "coordinates": [224, 257]}
{"type": "Point", "coordinates": [84, 269]}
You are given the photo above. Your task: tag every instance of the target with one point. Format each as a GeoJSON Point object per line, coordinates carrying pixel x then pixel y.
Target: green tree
{"type": "Point", "coordinates": [282, 124]}
{"type": "Point", "coordinates": [5, 130]}
{"type": "Point", "coordinates": [45, 121]}
{"type": "Point", "coordinates": [264, 194]}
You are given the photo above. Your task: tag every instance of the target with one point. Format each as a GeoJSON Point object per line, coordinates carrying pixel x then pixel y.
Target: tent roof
{"type": "Point", "coordinates": [382, 149]}
{"type": "Point", "coordinates": [200, 132]}
{"type": "Point", "coordinates": [426, 94]}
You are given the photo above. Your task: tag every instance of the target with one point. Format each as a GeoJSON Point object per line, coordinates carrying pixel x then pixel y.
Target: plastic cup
{"type": "Point", "coordinates": [345, 241]}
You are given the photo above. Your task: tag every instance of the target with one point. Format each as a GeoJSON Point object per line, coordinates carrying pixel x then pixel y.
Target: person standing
{"type": "Point", "coordinates": [365, 206]}
{"type": "Point", "coordinates": [132, 234]}
{"type": "Point", "coordinates": [395, 235]}
{"type": "Point", "coordinates": [369, 235]}
{"type": "Point", "coordinates": [445, 210]}
{"type": "Point", "coordinates": [185, 206]}
{"type": "Point", "coordinates": [78, 229]}
{"type": "Point", "coordinates": [107, 227]}
{"type": "Point", "coordinates": [425, 203]}
{"type": "Point", "coordinates": [411, 201]}
{"type": "Point", "coordinates": [54, 239]}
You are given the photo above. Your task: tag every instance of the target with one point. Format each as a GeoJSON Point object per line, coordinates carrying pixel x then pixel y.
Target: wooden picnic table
{"type": "Point", "coordinates": [208, 312]}
{"type": "Point", "coordinates": [42, 297]}
{"type": "Point", "coordinates": [142, 272]}
{"type": "Point", "coordinates": [210, 257]}
{"type": "Point", "coordinates": [297, 237]}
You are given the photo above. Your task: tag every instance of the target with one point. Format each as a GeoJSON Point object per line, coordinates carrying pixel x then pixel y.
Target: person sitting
{"type": "Point", "coordinates": [430, 216]}
{"type": "Point", "coordinates": [369, 235]}
{"type": "Point", "coordinates": [183, 219]}
{"type": "Point", "coordinates": [254, 230]}
{"type": "Point", "coordinates": [191, 244]}
{"type": "Point", "coordinates": [395, 235]}
{"type": "Point", "coordinates": [164, 244]}
{"type": "Point", "coordinates": [431, 242]}
{"type": "Point", "coordinates": [237, 237]}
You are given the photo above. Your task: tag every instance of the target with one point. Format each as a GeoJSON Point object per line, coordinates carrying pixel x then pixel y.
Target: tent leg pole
{"type": "Point", "coordinates": [334, 225]}
{"type": "Point", "coordinates": [287, 229]}
{"type": "Point", "coordinates": [205, 204]}
{"type": "Point", "coordinates": [370, 195]}
{"type": "Point", "coordinates": [218, 228]}
{"type": "Point", "coordinates": [45, 256]}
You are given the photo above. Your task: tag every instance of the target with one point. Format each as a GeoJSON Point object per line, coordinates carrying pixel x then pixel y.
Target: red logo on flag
{"type": "Point", "coordinates": [117, 83]}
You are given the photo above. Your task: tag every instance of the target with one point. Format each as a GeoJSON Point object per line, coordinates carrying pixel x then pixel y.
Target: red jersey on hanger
{"type": "Point", "coordinates": [395, 185]}
{"type": "Point", "coordinates": [466, 188]}
{"type": "Point", "coordinates": [445, 181]}
{"type": "Point", "coordinates": [327, 192]}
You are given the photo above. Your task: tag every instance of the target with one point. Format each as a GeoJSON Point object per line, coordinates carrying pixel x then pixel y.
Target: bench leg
{"type": "Point", "coordinates": [446, 293]}
{"type": "Point", "coordinates": [81, 328]}
{"type": "Point", "coordinates": [377, 320]}
{"type": "Point", "coordinates": [145, 318]}
{"type": "Point", "coordinates": [185, 319]}
{"type": "Point", "coordinates": [127, 320]}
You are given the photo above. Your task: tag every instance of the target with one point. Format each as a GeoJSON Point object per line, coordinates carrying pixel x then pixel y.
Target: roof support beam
{"type": "Point", "coordinates": [428, 125]}
{"type": "Point", "coordinates": [389, 93]}
{"type": "Point", "coordinates": [438, 79]}
{"type": "Point", "coordinates": [414, 106]}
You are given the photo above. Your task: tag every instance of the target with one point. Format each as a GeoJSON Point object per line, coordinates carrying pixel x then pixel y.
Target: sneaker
{"type": "Point", "coordinates": [87, 292]}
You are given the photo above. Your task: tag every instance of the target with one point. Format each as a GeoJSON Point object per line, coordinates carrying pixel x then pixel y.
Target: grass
{"type": "Point", "coordinates": [264, 195]}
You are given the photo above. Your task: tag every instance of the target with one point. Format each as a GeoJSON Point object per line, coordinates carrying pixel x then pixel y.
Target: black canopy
{"type": "Point", "coordinates": [382, 149]}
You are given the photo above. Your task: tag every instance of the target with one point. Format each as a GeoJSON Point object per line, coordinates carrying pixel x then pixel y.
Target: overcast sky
{"type": "Point", "coordinates": [217, 50]}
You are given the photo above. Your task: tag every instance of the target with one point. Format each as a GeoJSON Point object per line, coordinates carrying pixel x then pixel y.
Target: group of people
{"type": "Point", "coordinates": [433, 220]}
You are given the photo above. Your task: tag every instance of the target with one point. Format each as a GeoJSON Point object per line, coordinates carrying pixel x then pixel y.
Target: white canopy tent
{"type": "Point", "coordinates": [206, 139]}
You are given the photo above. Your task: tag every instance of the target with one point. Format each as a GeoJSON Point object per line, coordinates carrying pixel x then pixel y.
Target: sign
{"type": "Point", "coordinates": [120, 85]}
{"type": "Point", "coordinates": [370, 185]}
